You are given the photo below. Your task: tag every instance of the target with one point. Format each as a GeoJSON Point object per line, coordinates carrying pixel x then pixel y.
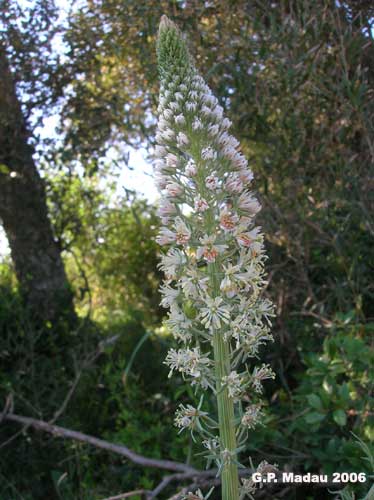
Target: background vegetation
{"type": "Point", "coordinates": [296, 78]}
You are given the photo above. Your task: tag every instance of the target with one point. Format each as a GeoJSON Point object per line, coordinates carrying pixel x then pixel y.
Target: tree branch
{"type": "Point", "coordinates": [58, 431]}
{"type": "Point", "coordinates": [182, 472]}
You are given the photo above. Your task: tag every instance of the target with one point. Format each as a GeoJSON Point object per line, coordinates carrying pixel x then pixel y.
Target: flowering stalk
{"type": "Point", "coordinates": [214, 268]}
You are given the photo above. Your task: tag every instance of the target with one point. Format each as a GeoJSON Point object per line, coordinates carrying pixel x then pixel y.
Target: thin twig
{"type": "Point", "coordinates": [127, 495]}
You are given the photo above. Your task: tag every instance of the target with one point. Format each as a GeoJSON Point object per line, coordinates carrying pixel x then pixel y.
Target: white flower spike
{"type": "Point", "coordinates": [214, 268]}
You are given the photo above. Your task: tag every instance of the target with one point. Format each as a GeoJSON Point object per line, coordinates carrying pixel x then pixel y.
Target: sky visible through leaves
{"type": "Point", "coordinates": [136, 178]}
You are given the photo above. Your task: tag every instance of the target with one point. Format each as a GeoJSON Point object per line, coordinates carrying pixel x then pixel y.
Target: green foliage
{"type": "Point", "coordinates": [116, 277]}
{"type": "Point", "coordinates": [335, 393]}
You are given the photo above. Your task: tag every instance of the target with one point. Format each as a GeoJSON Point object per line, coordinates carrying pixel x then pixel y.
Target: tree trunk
{"type": "Point", "coordinates": [23, 211]}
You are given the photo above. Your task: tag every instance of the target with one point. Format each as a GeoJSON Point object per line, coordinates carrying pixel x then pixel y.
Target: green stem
{"type": "Point", "coordinates": [229, 476]}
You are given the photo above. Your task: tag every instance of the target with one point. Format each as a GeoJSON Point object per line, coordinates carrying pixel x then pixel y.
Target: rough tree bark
{"type": "Point", "coordinates": [23, 212]}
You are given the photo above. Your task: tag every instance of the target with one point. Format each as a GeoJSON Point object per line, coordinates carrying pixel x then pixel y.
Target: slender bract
{"type": "Point", "coordinates": [214, 267]}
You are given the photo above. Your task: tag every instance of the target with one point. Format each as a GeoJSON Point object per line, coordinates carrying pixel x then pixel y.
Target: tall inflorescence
{"type": "Point", "coordinates": [214, 267]}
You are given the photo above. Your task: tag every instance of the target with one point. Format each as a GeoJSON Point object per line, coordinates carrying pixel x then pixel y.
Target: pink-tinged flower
{"type": "Point", "coordinates": [248, 203]}
{"type": "Point", "coordinates": [212, 182]}
{"type": "Point", "coordinates": [246, 175]}
{"type": "Point", "coordinates": [234, 184]}
{"type": "Point", "coordinates": [229, 152]}
{"type": "Point", "coordinates": [200, 204]}
{"type": "Point", "coordinates": [174, 189]}
{"type": "Point", "coordinates": [165, 236]}
{"type": "Point", "coordinates": [209, 251]}
{"type": "Point", "coordinates": [160, 180]}
{"type": "Point", "coordinates": [172, 160]}
{"type": "Point", "coordinates": [191, 169]}
{"type": "Point", "coordinates": [166, 208]}
{"type": "Point", "coordinates": [227, 220]}
{"type": "Point", "coordinates": [183, 233]}
{"type": "Point", "coordinates": [240, 161]}
{"type": "Point", "coordinates": [246, 239]}
{"type": "Point", "coordinates": [160, 151]}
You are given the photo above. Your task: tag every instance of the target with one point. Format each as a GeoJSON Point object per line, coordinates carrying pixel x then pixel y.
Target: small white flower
{"type": "Point", "coordinates": [234, 384]}
{"type": "Point", "coordinates": [206, 111]}
{"type": "Point", "coordinates": [246, 175]}
{"type": "Point", "coordinates": [248, 203]}
{"type": "Point", "coordinates": [174, 106]}
{"type": "Point", "coordinates": [193, 283]}
{"type": "Point", "coordinates": [180, 119]}
{"type": "Point", "coordinates": [191, 106]}
{"type": "Point", "coordinates": [228, 287]}
{"type": "Point", "coordinates": [182, 140]}
{"type": "Point", "coordinates": [170, 295]}
{"type": "Point", "coordinates": [188, 361]}
{"type": "Point", "coordinates": [208, 153]}
{"type": "Point", "coordinates": [215, 312]}
{"type": "Point", "coordinates": [171, 261]}
{"type": "Point", "coordinates": [167, 114]}
{"type": "Point", "coordinates": [166, 208]}
{"type": "Point", "coordinates": [160, 151]}
{"type": "Point", "coordinates": [167, 134]}
{"type": "Point", "coordinates": [218, 112]}
{"type": "Point", "coordinates": [212, 182]}
{"type": "Point", "coordinates": [240, 161]}
{"type": "Point", "coordinates": [200, 204]}
{"type": "Point", "coordinates": [209, 99]}
{"type": "Point", "coordinates": [213, 130]}
{"type": "Point", "coordinates": [234, 184]}
{"type": "Point", "coordinates": [252, 416]}
{"type": "Point", "coordinates": [165, 236]}
{"type": "Point", "coordinates": [209, 251]}
{"type": "Point", "coordinates": [227, 220]}
{"type": "Point", "coordinates": [172, 160]}
{"type": "Point", "coordinates": [160, 180]}
{"type": "Point", "coordinates": [191, 169]}
{"type": "Point", "coordinates": [247, 239]}
{"type": "Point", "coordinates": [260, 374]}
{"type": "Point", "coordinates": [187, 417]}
{"type": "Point", "coordinates": [174, 189]}
{"type": "Point", "coordinates": [197, 495]}
{"type": "Point", "coordinates": [197, 124]}
{"type": "Point", "coordinates": [183, 234]}
{"type": "Point", "coordinates": [193, 95]}
{"type": "Point", "coordinates": [226, 123]}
